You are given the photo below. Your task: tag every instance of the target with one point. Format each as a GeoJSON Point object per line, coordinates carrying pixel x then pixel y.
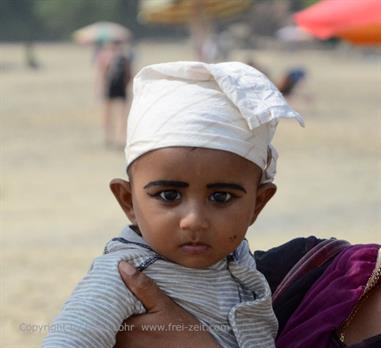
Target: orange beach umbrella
{"type": "Point", "coordinates": [184, 11]}
{"type": "Point", "coordinates": [356, 21]}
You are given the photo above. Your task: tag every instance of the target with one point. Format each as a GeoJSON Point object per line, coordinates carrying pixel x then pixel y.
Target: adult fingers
{"type": "Point", "coordinates": [161, 310]}
{"type": "Point", "coordinates": [143, 287]}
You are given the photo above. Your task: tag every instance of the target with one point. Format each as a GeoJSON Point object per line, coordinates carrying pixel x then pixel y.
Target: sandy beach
{"type": "Point", "coordinates": [57, 211]}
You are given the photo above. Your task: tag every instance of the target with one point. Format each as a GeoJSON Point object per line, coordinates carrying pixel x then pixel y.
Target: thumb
{"type": "Point", "coordinates": [143, 287]}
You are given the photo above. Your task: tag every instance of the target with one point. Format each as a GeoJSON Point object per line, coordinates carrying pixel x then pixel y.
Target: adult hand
{"type": "Point", "coordinates": [178, 328]}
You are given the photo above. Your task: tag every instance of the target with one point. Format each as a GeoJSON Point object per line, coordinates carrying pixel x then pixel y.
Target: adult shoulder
{"type": "Point", "coordinates": [276, 262]}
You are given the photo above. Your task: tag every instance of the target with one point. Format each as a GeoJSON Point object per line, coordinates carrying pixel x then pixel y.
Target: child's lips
{"type": "Point", "coordinates": [195, 248]}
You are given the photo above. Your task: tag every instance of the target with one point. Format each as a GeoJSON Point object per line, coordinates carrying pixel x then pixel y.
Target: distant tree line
{"type": "Point", "coordinates": [32, 20]}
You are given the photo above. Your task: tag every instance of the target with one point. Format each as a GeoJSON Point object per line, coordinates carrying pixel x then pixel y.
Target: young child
{"type": "Point", "coordinates": [200, 165]}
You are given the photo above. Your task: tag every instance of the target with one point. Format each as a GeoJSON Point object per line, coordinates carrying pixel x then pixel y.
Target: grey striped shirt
{"type": "Point", "coordinates": [231, 298]}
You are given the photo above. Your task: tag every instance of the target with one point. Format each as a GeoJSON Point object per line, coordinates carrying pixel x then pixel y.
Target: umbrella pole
{"type": "Point", "coordinates": [200, 29]}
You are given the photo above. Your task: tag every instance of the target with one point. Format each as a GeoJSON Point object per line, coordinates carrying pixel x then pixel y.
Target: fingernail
{"type": "Point", "coordinates": [125, 267]}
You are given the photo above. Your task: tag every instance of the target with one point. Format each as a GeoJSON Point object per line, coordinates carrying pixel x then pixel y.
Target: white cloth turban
{"type": "Point", "coordinates": [227, 106]}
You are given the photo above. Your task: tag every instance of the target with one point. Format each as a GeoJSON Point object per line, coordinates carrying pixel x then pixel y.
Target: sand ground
{"type": "Point", "coordinates": [57, 211]}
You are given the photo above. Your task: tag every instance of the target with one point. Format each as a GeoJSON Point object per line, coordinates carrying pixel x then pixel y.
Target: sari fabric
{"type": "Point", "coordinates": [330, 300]}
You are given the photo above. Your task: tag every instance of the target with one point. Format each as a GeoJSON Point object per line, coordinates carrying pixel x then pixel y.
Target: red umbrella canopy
{"type": "Point", "coordinates": [358, 21]}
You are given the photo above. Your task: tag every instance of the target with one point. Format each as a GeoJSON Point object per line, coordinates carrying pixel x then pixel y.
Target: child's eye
{"type": "Point", "coordinates": [169, 196]}
{"type": "Point", "coordinates": [221, 197]}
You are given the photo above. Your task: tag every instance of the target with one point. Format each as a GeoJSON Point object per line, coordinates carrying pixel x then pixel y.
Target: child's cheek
{"type": "Point", "coordinates": [233, 238]}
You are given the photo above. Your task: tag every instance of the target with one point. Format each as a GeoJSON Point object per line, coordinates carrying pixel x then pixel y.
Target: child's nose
{"type": "Point", "coordinates": [194, 218]}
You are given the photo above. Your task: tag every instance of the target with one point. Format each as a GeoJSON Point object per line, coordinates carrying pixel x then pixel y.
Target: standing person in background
{"type": "Point", "coordinates": [114, 74]}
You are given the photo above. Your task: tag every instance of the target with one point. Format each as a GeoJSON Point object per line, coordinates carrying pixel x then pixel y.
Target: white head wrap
{"type": "Point", "coordinates": [227, 106]}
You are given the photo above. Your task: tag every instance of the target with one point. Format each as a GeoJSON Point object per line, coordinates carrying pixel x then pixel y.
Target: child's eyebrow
{"type": "Point", "coordinates": [225, 185]}
{"type": "Point", "coordinates": [172, 183]}
{"type": "Point", "coordinates": [181, 184]}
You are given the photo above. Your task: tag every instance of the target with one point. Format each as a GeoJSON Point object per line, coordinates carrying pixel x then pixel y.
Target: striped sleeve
{"type": "Point", "coordinates": [91, 317]}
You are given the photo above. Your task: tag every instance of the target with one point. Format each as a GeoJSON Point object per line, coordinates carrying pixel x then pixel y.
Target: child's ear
{"type": "Point", "coordinates": [122, 192]}
{"type": "Point", "coordinates": [264, 194]}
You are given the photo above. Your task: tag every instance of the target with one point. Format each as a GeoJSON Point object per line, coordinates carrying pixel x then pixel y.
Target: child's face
{"type": "Point", "coordinates": [192, 206]}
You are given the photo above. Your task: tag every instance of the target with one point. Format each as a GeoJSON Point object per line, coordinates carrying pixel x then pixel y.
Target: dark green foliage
{"type": "Point", "coordinates": [18, 20]}
{"type": "Point", "coordinates": [30, 20]}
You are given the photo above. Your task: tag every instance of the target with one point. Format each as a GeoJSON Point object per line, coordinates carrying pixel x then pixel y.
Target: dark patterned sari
{"type": "Point", "coordinates": [316, 285]}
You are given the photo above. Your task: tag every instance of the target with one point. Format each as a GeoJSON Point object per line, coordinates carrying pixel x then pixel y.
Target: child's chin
{"type": "Point", "coordinates": [196, 262]}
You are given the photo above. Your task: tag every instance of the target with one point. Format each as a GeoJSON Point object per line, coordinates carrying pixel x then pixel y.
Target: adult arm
{"type": "Point", "coordinates": [175, 323]}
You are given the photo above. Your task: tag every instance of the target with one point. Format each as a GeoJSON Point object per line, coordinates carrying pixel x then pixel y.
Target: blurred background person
{"type": "Point", "coordinates": [113, 77]}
